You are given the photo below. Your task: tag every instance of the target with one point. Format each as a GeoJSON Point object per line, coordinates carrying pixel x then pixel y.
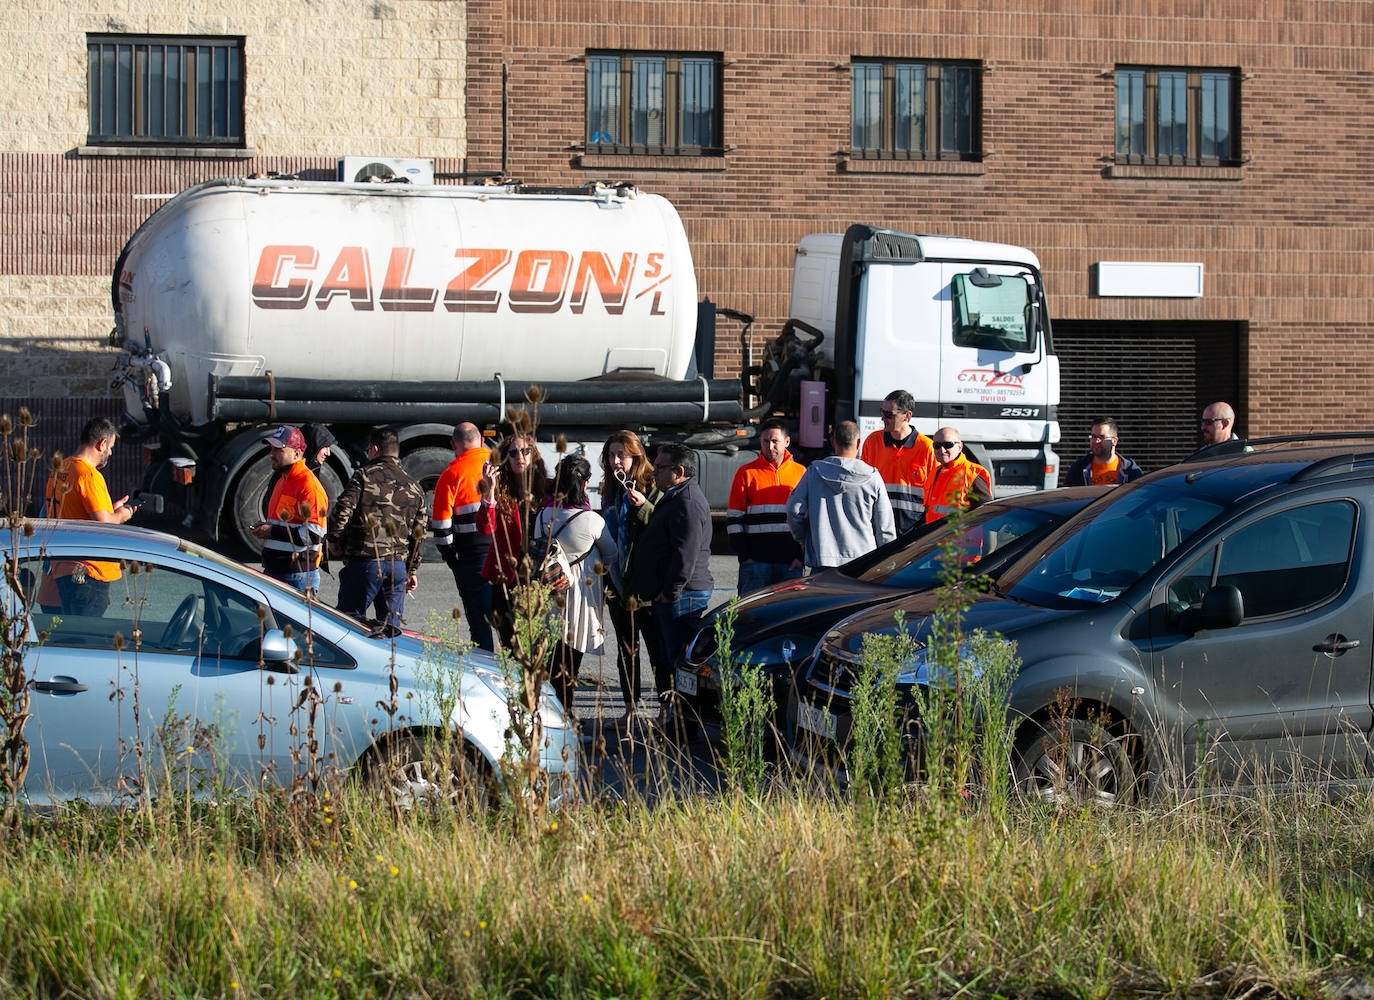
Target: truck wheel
{"type": "Point", "coordinates": [248, 502]}
{"type": "Point", "coordinates": [425, 466]}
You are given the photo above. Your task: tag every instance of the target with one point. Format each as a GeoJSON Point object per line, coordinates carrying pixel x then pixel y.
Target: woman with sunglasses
{"type": "Point", "coordinates": [628, 496]}
{"type": "Point", "coordinates": [513, 489]}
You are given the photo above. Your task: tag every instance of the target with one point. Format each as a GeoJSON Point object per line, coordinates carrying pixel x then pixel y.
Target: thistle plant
{"type": "Point", "coordinates": [18, 481]}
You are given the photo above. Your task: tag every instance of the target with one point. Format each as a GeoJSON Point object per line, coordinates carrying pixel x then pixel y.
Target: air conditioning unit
{"type": "Point", "coordinates": [389, 169]}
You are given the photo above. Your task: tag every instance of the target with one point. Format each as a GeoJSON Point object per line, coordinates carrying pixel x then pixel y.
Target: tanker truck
{"type": "Point", "coordinates": [241, 305]}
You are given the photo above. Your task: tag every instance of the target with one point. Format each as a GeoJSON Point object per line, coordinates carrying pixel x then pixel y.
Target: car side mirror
{"type": "Point", "coordinates": [279, 652]}
{"type": "Point", "coordinates": [1222, 607]}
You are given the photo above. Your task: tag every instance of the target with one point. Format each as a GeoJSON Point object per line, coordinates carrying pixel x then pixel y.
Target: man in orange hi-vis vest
{"type": "Point", "coordinates": [453, 525]}
{"type": "Point", "coordinates": [293, 534]}
{"type": "Point", "coordinates": [955, 483]}
{"type": "Point", "coordinates": [902, 456]}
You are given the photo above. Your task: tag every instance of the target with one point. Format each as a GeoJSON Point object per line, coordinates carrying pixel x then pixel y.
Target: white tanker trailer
{"type": "Point", "coordinates": [244, 304]}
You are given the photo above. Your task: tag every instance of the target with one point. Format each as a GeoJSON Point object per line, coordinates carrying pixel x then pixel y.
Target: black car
{"type": "Point", "coordinates": [779, 626]}
{"type": "Point", "coordinates": [1211, 622]}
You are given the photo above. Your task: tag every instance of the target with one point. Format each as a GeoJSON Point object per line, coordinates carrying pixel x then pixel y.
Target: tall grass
{"type": "Point", "coordinates": [794, 896]}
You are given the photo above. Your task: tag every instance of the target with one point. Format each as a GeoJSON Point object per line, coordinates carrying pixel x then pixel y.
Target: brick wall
{"type": "Point", "coordinates": [1285, 238]}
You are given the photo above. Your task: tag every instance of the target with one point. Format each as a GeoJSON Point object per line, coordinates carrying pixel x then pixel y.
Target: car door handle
{"type": "Point", "coordinates": [1335, 643]}
{"type": "Point", "coordinates": [59, 687]}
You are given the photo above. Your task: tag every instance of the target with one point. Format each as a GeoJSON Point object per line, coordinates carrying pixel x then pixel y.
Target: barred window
{"type": "Point", "coordinates": [653, 103]}
{"type": "Point", "coordinates": [156, 90]}
{"type": "Point", "coordinates": [1177, 116]}
{"type": "Point", "coordinates": [916, 110]}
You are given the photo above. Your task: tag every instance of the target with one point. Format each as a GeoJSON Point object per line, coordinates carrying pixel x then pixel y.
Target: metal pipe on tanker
{"type": "Point", "coordinates": [634, 414]}
{"type": "Point", "coordinates": [256, 387]}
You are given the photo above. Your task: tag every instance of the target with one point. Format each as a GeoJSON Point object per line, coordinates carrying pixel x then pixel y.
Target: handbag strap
{"type": "Point", "coordinates": [559, 530]}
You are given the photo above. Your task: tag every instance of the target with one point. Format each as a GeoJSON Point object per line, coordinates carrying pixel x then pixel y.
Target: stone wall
{"type": "Point", "coordinates": [322, 80]}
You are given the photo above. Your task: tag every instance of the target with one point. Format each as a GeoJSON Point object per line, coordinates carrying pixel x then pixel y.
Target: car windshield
{"type": "Point", "coordinates": [920, 564]}
{"type": "Point", "coordinates": [1108, 548]}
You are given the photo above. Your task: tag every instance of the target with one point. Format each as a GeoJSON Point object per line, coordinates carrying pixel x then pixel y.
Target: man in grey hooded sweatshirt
{"type": "Point", "coordinates": [840, 510]}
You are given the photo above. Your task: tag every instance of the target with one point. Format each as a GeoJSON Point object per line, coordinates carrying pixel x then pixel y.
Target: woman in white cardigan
{"type": "Point", "coordinates": [589, 551]}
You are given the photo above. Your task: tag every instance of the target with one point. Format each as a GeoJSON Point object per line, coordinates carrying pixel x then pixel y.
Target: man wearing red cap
{"type": "Point", "coordinates": [294, 530]}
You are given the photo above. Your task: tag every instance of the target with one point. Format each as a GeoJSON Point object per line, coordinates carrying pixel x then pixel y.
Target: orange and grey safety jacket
{"type": "Point", "coordinates": [453, 522]}
{"type": "Point", "coordinates": [756, 516]}
{"type": "Point", "coordinates": [955, 486]}
{"type": "Point", "coordinates": [296, 513]}
{"type": "Point", "coordinates": [905, 466]}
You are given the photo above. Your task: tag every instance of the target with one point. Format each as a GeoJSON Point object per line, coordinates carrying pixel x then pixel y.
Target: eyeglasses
{"type": "Point", "coordinates": [1214, 420]}
{"type": "Point", "coordinates": [521, 451]}
{"type": "Point", "coordinates": [944, 445]}
{"type": "Point", "coordinates": [890, 414]}
{"type": "Point", "coordinates": [1099, 437]}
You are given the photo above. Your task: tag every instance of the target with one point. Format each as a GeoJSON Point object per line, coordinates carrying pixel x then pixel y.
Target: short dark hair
{"type": "Point", "coordinates": [97, 429]}
{"type": "Point", "coordinates": [903, 400]}
{"type": "Point", "coordinates": [846, 434]}
{"type": "Point", "coordinates": [1107, 422]}
{"type": "Point", "coordinates": [680, 455]}
{"type": "Point", "coordinates": [385, 440]}
{"type": "Point", "coordinates": [775, 424]}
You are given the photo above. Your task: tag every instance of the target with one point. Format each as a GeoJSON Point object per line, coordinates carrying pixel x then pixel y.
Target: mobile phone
{"type": "Point", "coordinates": [136, 502]}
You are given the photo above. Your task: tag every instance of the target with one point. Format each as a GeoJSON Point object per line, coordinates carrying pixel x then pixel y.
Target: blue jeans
{"type": "Point", "coordinates": [304, 582]}
{"type": "Point", "coordinates": [678, 621]}
{"type": "Point", "coordinates": [756, 575]}
{"type": "Point", "coordinates": [365, 584]}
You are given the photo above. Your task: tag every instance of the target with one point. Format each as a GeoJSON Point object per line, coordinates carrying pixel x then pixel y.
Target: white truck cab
{"type": "Point", "coordinates": [960, 324]}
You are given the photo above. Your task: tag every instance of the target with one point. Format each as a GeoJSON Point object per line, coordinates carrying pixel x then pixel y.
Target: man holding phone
{"type": "Point", "coordinates": [77, 492]}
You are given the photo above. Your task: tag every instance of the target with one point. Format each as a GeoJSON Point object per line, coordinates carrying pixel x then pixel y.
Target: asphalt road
{"type": "Point", "coordinates": [598, 693]}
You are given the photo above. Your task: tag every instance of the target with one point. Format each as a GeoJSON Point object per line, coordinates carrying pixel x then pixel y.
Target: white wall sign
{"type": "Point", "coordinates": [1149, 279]}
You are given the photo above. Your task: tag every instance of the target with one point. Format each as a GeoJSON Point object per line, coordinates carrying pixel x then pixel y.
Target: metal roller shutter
{"type": "Point", "coordinates": [1153, 378]}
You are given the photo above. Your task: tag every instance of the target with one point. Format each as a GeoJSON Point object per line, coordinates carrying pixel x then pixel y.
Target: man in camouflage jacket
{"type": "Point", "coordinates": [378, 525]}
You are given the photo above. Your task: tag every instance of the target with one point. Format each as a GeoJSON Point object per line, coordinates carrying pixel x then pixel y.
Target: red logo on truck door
{"type": "Point", "coordinates": [540, 281]}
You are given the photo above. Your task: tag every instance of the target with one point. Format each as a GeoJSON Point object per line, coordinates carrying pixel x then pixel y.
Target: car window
{"type": "Point", "coordinates": [315, 649]}
{"type": "Point", "coordinates": [1290, 560]}
{"type": "Point", "coordinates": [1187, 590]}
{"type": "Point", "coordinates": [153, 607]}
{"type": "Point", "coordinates": [919, 564]}
{"type": "Point", "coordinates": [1102, 553]}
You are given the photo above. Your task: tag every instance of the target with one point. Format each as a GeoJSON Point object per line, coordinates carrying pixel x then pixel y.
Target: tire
{"type": "Point", "coordinates": [1075, 761]}
{"type": "Point", "coordinates": [416, 773]}
{"type": "Point", "coordinates": [248, 499]}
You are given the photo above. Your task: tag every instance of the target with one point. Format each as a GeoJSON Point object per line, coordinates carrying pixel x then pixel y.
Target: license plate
{"type": "Point", "coordinates": [687, 682]}
{"type": "Point", "coordinates": [815, 720]}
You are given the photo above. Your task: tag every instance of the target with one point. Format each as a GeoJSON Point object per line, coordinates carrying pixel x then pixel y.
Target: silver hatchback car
{"type": "Point", "coordinates": [202, 666]}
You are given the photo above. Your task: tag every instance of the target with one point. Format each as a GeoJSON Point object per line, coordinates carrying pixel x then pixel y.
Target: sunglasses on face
{"type": "Point", "coordinates": [944, 445]}
{"type": "Point", "coordinates": [521, 451]}
{"type": "Point", "coordinates": [890, 414]}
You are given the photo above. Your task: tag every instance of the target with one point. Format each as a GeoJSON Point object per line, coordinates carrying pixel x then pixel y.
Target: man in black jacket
{"type": "Point", "coordinates": [672, 559]}
{"type": "Point", "coordinates": [1103, 465]}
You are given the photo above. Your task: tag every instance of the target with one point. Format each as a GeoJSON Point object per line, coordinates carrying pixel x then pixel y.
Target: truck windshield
{"type": "Point", "coordinates": [994, 312]}
{"type": "Point", "coordinates": [1097, 557]}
